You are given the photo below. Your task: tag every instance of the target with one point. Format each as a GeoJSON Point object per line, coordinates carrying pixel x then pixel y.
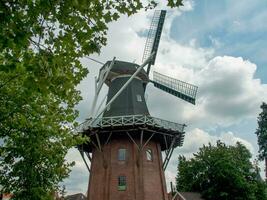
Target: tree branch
{"type": "Point", "coordinates": [9, 80]}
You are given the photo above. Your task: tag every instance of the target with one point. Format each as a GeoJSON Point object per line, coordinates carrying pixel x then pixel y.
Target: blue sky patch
{"type": "Point", "coordinates": [234, 28]}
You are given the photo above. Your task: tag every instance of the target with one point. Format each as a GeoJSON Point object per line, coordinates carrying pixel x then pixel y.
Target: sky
{"type": "Point", "coordinates": [220, 46]}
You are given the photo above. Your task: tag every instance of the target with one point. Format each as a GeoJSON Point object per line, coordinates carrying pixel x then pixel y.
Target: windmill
{"type": "Point", "coordinates": [126, 143]}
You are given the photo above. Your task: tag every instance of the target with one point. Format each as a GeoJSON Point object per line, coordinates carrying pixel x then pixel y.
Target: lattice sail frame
{"type": "Point", "coordinates": [154, 33]}
{"type": "Point", "coordinates": [183, 90]}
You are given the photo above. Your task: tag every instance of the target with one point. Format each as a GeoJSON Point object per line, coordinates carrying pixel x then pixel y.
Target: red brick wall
{"type": "Point", "coordinates": [145, 179]}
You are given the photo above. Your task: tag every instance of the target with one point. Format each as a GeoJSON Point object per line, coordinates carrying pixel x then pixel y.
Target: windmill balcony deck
{"type": "Point", "coordinates": [165, 131]}
{"type": "Point", "coordinates": [130, 120]}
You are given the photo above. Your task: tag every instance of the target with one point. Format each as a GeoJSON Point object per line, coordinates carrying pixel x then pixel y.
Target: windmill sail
{"type": "Point", "coordinates": [153, 38]}
{"type": "Point", "coordinates": [175, 87]}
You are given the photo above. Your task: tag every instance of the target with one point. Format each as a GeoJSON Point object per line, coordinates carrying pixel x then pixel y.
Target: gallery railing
{"type": "Point", "coordinates": [130, 120]}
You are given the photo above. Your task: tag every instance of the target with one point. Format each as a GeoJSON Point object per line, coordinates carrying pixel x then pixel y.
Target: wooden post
{"type": "Point", "coordinates": [172, 189]}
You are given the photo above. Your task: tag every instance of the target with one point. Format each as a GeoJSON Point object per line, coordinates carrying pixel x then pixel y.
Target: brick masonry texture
{"type": "Point", "coordinates": [145, 179]}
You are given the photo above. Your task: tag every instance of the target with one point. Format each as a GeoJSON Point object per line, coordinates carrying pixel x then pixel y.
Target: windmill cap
{"type": "Point", "coordinates": [122, 68]}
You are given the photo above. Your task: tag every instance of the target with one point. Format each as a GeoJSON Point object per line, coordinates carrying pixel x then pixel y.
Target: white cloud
{"type": "Point", "coordinates": [173, 56]}
{"type": "Point", "coordinates": [199, 137]}
{"type": "Point", "coordinates": [228, 92]}
{"type": "Point", "coordinates": [77, 182]}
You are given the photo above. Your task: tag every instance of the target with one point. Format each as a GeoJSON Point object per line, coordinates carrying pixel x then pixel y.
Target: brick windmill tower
{"type": "Point", "coordinates": [126, 143]}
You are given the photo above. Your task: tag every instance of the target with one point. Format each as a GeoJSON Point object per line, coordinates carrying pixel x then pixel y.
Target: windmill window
{"type": "Point", "coordinates": [139, 98]}
{"type": "Point", "coordinates": [149, 155]}
{"type": "Point", "coordinates": [122, 183]}
{"type": "Point", "coordinates": [122, 154]}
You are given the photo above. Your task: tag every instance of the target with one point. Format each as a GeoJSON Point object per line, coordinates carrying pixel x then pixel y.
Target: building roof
{"type": "Point", "coordinates": [78, 196]}
{"type": "Point", "coordinates": [191, 196]}
{"type": "Point", "coordinates": [122, 68]}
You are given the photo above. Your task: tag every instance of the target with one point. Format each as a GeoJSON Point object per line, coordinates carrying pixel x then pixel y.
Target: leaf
{"type": "Point", "coordinates": [175, 3]}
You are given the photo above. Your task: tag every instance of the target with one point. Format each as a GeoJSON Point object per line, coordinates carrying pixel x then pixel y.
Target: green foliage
{"type": "Point", "coordinates": [35, 139]}
{"type": "Point", "coordinates": [261, 132]}
{"type": "Point", "coordinates": [41, 43]}
{"type": "Point", "coordinates": [221, 172]}
{"type": "Point", "coordinates": [175, 3]}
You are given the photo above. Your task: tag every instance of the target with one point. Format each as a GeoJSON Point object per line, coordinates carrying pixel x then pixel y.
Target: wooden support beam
{"type": "Point", "coordinates": [148, 140]}
{"type": "Point", "coordinates": [87, 166]}
{"type": "Point", "coordinates": [110, 134]}
{"type": "Point", "coordinates": [133, 141]}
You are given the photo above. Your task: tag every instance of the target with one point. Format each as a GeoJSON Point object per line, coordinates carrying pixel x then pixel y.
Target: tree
{"type": "Point", "coordinates": [40, 45]}
{"type": "Point", "coordinates": [261, 133]}
{"type": "Point", "coordinates": [221, 172]}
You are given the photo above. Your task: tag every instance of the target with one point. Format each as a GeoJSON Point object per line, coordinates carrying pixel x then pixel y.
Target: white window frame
{"type": "Point", "coordinates": [149, 155]}
{"type": "Point", "coordinates": [122, 154]}
{"type": "Point", "coordinates": [122, 183]}
{"type": "Point", "coordinates": [139, 98]}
